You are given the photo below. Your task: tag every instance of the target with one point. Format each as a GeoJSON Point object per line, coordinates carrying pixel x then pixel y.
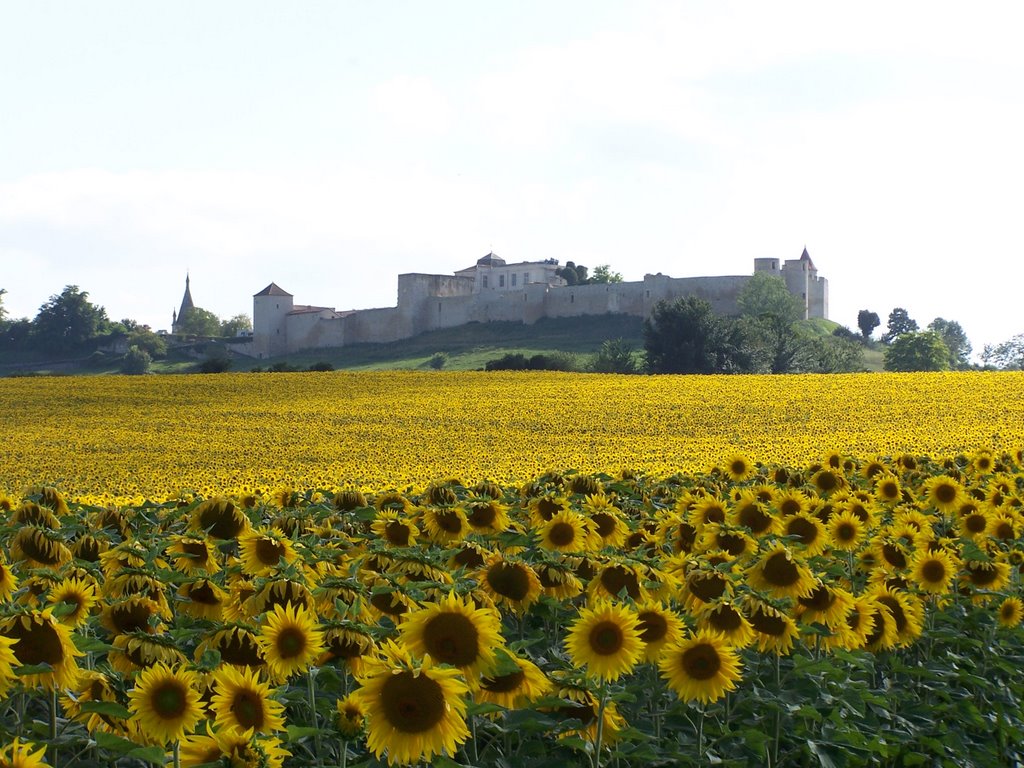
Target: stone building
{"type": "Point", "coordinates": [494, 290]}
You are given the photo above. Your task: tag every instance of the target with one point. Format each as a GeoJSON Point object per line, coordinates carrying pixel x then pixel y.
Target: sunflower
{"type": "Point", "coordinates": [558, 581]}
{"type": "Point", "coordinates": [606, 520]}
{"type": "Point", "coordinates": [614, 579]}
{"type": "Point", "coordinates": [1011, 612]}
{"type": "Point", "coordinates": [808, 533]}
{"type": "Point", "coordinates": [8, 581]}
{"type": "Point", "coordinates": [605, 640]}
{"type": "Point", "coordinates": [846, 531]}
{"type": "Point", "coordinates": [220, 517]}
{"type": "Point", "coordinates": [445, 525]}
{"type": "Point", "coordinates": [140, 650]}
{"type": "Point", "coordinates": [739, 468]}
{"type": "Point", "coordinates": [193, 554]}
{"type": "Point", "coordinates": [394, 528]}
{"type": "Point", "coordinates": [658, 626]}
{"type": "Point", "coordinates": [230, 746]}
{"type": "Point", "coordinates": [906, 611]}
{"type": "Point", "coordinates": [90, 686]}
{"type": "Point", "coordinates": [728, 538]}
{"type": "Point", "coordinates": [934, 570]}
{"type": "Point", "coordinates": [237, 645]}
{"type": "Point", "coordinates": [19, 754]}
{"type": "Point", "coordinates": [779, 573]}
{"type": "Point", "coordinates": [983, 462]}
{"type": "Point", "coordinates": [942, 493]}
{"type": "Point", "coordinates": [453, 631]}
{"type": "Point", "coordinates": [278, 592]}
{"type": "Point", "coordinates": [8, 661]}
{"type": "Point", "coordinates": [543, 508]}
{"type": "Point", "coordinates": [707, 509]}
{"type": "Point", "coordinates": [351, 717]}
{"type": "Point", "coordinates": [567, 532]}
{"type": "Point", "coordinates": [349, 644]}
{"type": "Point", "coordinates": [514, 688]}
{"type": "Point", "coordinates": [776, 631]}
{"type": "Point", "coordinates": [705, 584]}
{"type": "Point", "coordinates": [242, 701]}
{"type": "Point", "coordinates": [727, 620]}
{"type": "Point", "coordinates": [77, 597]}
{"type": "Point", "coordinates": [291, 640]}
{"type": "Point", "coordinates": [988, 576]}
{"type": "Point", "coordinates": [1005, 525]}
{"type": "Point", "coordinates": [412, 713]}
{"type": "Point", "coordinates": [133, 614]}
{"type": "Point", "coordinates": [702, 667]}
{"type": "Point", "coordinates": [202, 599]}
{"type": "Point", "coordinates": [486, 515]}
{"type": "Point", "coordinates": [826, 605]}
{"type": "Point", "coordinates": [262, 550]}
{"type": "Point", "coordinates": [750, 512]}
{"type": "Point", "coordinates": [39, 639]}
{"type": "Point", "coordinates": [883, 635]}
{"type": "Point", "coordinates": [972, 520]}
{"type": "Point", "coordinates": [887, 489]}
{"type": "Point", "coordinates": [39, 547]}
{"type": "Point", "coordinates": [791, 502]}
{"type": "Point", "coordinates": [582, 705]}
{"type": "Point", "coordinates": [165, 702]}
{"type": "Point", "coordinates": [509, 582]}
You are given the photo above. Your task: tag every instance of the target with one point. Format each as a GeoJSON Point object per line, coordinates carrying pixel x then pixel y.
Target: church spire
{"type": "Point", "coordinates": [186, 304]}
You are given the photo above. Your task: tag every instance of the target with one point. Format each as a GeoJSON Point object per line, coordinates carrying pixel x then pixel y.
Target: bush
{"type": "Point", "coordinates": [516, 361]}
{"type": "Point", "coordinates": [215, 365]}
{"type": "Point", "coordinates": [321, 366]}
{"type": "Point", "coordinates": [136, 361]}
{"type": "Point", "coordinates": [615, 356]}
{"type": "Point", "coordinates": [438, 361]}
{"type": "Point", "coordinates": [283, 368]}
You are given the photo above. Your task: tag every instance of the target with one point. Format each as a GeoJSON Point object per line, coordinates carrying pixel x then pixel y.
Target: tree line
{"type": "Point", "coordinates": [69, 325]}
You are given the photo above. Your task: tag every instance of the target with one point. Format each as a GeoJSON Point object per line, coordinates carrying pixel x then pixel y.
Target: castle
{"type": "Point", "coordinates": [494, 290]}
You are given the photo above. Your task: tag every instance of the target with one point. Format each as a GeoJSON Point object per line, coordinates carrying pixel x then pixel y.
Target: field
{"type": "Point", "coordinates": [341, 569]}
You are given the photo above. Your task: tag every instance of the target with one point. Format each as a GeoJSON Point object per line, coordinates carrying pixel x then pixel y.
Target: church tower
{"type": "Point", "coordinates": [186, 304]}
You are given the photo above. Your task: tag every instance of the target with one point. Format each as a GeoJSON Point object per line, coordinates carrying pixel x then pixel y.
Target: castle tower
{"type": "Point", "coordinates": [270, 308]}
{"type": "Point", "coordinates": [186, 304]}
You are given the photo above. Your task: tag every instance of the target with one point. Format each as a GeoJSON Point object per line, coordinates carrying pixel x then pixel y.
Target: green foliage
{"type": "Point", "coordinates": [766, 297]}
{"type": "Point", "coordinates": [573, 274]}
{"type": "Point", "coordinates": [3, 309]}
{"type": "Point", "coordinates": [68, 322]}
{"type": "Point", "coordinates": [956, 341]}
{"type": "Point", "coordinates": [438, 361]}
{"type": "Point", "coordinates": [556, 361]}
{"type": "Point", "coordinates": [686, 336]}
{"type": "Point", "coordinates": [615, 356]}
{"type": "Point", "coordinates": [1007, 355]}
{"type": "Point", "coordinates": [867, 321]}
{"type": "Point", "coordinates": [603, 274]}
{"type": "Point", "coordinates": [321, 367]}
{"type": "Point", "coordinates": [197, 321]}
{"type": "Point", "coordinates": [136, 361]}
{"type": "Point", "coordinates": [215, 364]}
{"type": "Point", "coordinates": [917, 351]}
{"type": "Point", "coordinates": [900, 322]}
{"type": "Point", "coordinates": [235, 325]}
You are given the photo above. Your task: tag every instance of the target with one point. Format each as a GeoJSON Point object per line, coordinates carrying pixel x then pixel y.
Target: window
{"type": "Point", "coordinates": [501, 281]}
{"type": "Point", "coordinates": [485, 281]}
{"type": "Point", "coordinates": [514, 276]}
{"type": "Point", "coordinates": [526, 278]}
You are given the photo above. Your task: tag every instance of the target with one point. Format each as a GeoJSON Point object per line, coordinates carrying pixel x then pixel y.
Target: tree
{"type": "Point", "coordinates": [615, 356]}
{"type": "Point", "coordinates": [832, 354]}
{"type": "Point", "coordinates": [603, 274]}
{"type": "Point", "coordinates": [3, 309]}
{"type": "Point", "coordinates": [136, 361]}
{"type": "Point", "coordinates": [68, 321]}
{"type": "Point", "coordinates": [197, 321]}
{"type": "Point", "coordinates": [573, 274]}
{"type": "Point", "coordinates": [766, 295]}
{"type": "Point", "coordinates": [770, 312]}
{"type": "Point", "coordinates": [235, 325]}
{"type": "Point", "coordinates": [956, 339]}
{"type": "Point", "coordinates": [900, 322]}
{"type": "Point", "coordinates": [917, 351]}
{"type": "Point", "coordinates": [1007, 355]}
{"type": "Point", "coordinates": [867, 321]}
{"type": "Point", "coordinates": [686, 336]}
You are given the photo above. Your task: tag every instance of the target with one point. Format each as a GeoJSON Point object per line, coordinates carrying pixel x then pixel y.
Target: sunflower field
{"type": "Point", "coordinates": [545, 569]}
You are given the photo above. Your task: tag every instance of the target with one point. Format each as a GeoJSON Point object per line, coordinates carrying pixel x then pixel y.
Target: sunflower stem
{"type": "Point", "coordinates": [778, 709]}
{"type": "Point", "coordinates": [700, 737]}
{"type": "Point", "coordinates": [53, 723]}
{"type": "Point", "coordinates": [311, 692]}
{"type": "Point", "coordinates": [472, 730]}
{"type": "Point", "coordinates": [599, 737]}
{"type": "Point", "coordinates": [177, 754]}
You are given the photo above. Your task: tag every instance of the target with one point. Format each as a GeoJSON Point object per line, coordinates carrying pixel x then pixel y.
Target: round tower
{"type": "Point", "coordinates": [270, 308]}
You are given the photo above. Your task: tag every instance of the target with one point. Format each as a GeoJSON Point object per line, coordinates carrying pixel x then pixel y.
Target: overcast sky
{"type": "Point", "coordinates": [330, 146]}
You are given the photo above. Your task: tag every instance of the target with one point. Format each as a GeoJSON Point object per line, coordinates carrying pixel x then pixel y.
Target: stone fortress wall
{"type": "Point", "coordinates": [493, 290]}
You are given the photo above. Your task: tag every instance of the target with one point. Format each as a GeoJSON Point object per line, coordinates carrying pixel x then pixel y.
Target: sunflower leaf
{"type": "Point", "coordinates": [109, 708]}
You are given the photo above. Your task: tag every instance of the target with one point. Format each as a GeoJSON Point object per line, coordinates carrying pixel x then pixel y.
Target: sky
{"type": "Point", "coordinates": [331, 146]}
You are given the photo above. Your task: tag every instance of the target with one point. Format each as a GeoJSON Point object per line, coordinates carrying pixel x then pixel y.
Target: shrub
{"type": "Point", "coordinates": [321, 366]}
{"type": "Point", "coordinates": [136, 361]}
{"type": "Point", "coordinates": [215, 365]}
{"type": "Point", "coordinates": [438, 361]}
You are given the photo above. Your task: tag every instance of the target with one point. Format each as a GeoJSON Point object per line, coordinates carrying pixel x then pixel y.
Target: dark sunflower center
{"type": "Point", "coordinates": [605, 524]}
{"type": "Point", "coordinates": [686, 537]}
{"type": "Point", "coordinates": [343, 647]}
{"type": "Point", "coordinates": [933, 572]}
{"type": "Point", "coordinates": [169, 700]}
{"type": "Point", "coordinates": [732, 543]}
{"type": "Point", "coordinates": [469, 558]}
{"type": "Point", "coordinates": [652, 626]}
{"type": "Point", "coordinates": [241, 650]}
{"type": "Point", "coordinates": [780, 571]}
{"type": "Point", "coordinates": [845, 532]}
{"type": "Point", "coordinates": [39, 548]}
{"type": "Point", "coordinates": [196, 551]}
{"type": "Point", "coordinates": [291, 642]}
{"type": "Point", "coordinates": [727, 619]}
{"type": "Point", "coordinates": [448, 521]}
{"type": "Point", "coordinates": [397, 533]}
{"type": "Point", "coordinates": [203, 593]}
{"type": "Point", "coordinates": [803, 529]}
{"type": "Point", "coordinates": [820, 599]}
{"type": "Point", "coordinates": [482, 516]}
{"type": "Point", "coordinates": [547, 508]}
{"type": "Point", "coordinates": [826, 481]}
{"type": "Point", "coordinates": [582, 712]}
{"type": "Point", "coordinates": [451, 638]}
{"type": "Point", "coordinates": [388, 603]}
{"type": "Point", "coordinates": [945, 492]}
{"type": "Point", "coordinates": [894, 555]}
{"type": "Point", "coordinates": [411, 703]}
{"type": "Point", "coordinates": [790, 506]}
{"type": "Point", "coordinates": [889, 489]}
{"type": "Point", "coordinates": [220, 520]}
{"type": "Point", "coordinates": [1004, 531]}
{"type": "Point", "coordinates": [975, 523]}
{"type": "Point", "coordinates": [701, 662]}
{"type": "Point", "coordinates": [714, 514]}
{"type": "Point", "coordinates": [754, 518]}
{"type": "Point", "coordinates": [561, 534]}
{"type": "Point", "coordinates": [738, 467]}
{"type": "Point", "coordinates": [853, 619]}
{"type": "Point", "coordinates": [707, 586]}
{"type": "Point", "coordinates": [269, 552]}
{"type": "Point", "coordinates": [896, 609]}
{"type": "Point", "coordinates": [981, 575]}
{"type": "Point", "coordinates": [606, 638]}
{"type": "Point", "coordinates": [615, 578]}
{"type": "Point", "coordinates": [1007, 611]}
{"type": "Point", "coordinates": [509, 580]}
{"type": "Point", "coordinates": [504, 683]}
{"type": "Point", "coordinates": [38, 644]}
{"type": "Point", "coordinates": [247, 707]}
